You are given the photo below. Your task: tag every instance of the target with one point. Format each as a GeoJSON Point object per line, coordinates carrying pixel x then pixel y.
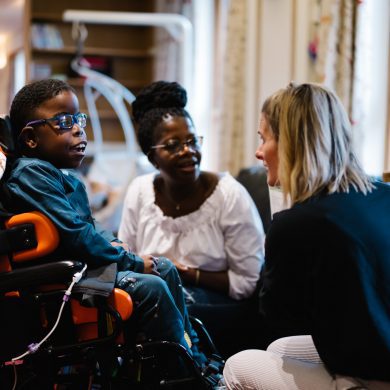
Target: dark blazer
{"type": "Point", "coordinates": [327, 273]}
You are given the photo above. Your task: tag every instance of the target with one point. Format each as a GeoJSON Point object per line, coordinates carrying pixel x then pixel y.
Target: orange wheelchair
{"type": "Point", "coordinates": [51, 337]}
{"type": "Point", "coordinates": [51, 340]}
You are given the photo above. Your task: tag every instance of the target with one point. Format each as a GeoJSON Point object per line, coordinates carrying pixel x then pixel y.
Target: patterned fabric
{"type": "Point", "coordinates": [233, 121]}
{"type": "Point", "coordinates": [341, 51]}
{"type": "Point", "coordinates": [230, 84]}
{"type": "Point", "coordinates": [336, 37]}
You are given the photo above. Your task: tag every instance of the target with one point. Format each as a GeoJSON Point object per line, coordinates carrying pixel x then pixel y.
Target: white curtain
{"type": "Point", "coordinates": [231, 83]}
{"type": "Point", "coordinates": [335, 34]}
{"type": "Point", "coordinates": [343, 56]}
{"type": "Point", "coordinates": [167, 54]}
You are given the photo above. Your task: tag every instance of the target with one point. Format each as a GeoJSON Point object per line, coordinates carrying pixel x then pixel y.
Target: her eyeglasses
{"type": "Point", "coordinates": [175, 146]}
{"type": "Point", "coordinates": [64, 121]}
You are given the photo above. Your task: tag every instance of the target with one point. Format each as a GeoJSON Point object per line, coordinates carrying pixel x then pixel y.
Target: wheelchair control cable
{"type": "Point", "coordinates": [33, 347]}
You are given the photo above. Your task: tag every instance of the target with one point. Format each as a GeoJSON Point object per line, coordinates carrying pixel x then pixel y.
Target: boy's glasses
{"type": "Point", "coordinates": [174, 146]}
{"type": "Point", "coordinates": [64, 121]}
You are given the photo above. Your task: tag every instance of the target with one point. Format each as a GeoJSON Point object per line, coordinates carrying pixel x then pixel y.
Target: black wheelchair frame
{"type": "Point", "coordinates": [62, 361]}
{"type": "Point", "coordinates": [66, 363]}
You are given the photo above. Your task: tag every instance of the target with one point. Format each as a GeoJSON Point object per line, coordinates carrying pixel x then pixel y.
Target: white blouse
{"type": "Point", "coordinates": [225, 233]}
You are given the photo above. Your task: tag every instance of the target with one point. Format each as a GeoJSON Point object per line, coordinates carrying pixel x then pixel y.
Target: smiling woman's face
{"type": "Point", "coordinates": [183, 166]}
{"type": "Point", "coordinates": [267, 151]}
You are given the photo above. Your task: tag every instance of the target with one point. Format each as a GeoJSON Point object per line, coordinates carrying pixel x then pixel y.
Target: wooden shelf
{"type": "Point", "coordinates": [97, 51]}
{"type": "Point", "coordinates": [78, 82]}
{"type": "Point", "coordinates": [127, 51]}
{"type": "Point", "coordinates": [47, 17]}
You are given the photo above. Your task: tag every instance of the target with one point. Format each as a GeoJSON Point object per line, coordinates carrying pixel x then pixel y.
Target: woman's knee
{"type": "Point", "coordinates": [241, 369]}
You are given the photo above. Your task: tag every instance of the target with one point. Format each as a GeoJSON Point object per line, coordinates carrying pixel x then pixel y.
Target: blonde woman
{"type": "Point", "coordinates": [327, 258]}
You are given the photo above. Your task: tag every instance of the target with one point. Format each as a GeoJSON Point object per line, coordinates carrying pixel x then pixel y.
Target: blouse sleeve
{"type": "Point", "coordinates": [40, 187]}
{"type": "Point", "coordinates": [129, 221]}
{"type": "Point", "coordinates": [244, 241]}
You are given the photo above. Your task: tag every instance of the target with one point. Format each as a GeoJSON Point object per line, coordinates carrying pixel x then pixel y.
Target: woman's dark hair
{"type": "Point", "coordinates": [30, 97]}
{"type": "Point", "coordinates": [152, 105]}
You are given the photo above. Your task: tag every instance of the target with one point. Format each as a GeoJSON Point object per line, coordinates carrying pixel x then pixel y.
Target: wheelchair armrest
{"type": "Point", "coordinates": [57, 272]}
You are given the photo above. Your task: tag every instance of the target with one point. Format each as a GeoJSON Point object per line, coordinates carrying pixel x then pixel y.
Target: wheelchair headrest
{"type": "Point", "coordinates": [7, 141]}
{"type": "Point", "coordinates": [46, 235]}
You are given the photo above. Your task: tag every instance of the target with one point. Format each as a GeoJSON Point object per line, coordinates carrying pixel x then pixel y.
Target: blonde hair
{"type": "Point", "coordinates": [314, 142]}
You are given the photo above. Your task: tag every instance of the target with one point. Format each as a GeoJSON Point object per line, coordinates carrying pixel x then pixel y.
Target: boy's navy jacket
{"type": "Point", "coordinates": [37, 185]}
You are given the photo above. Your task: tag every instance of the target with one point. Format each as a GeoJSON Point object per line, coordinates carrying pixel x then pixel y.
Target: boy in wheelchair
{"type": "Point", "coordinates": [50, 141]}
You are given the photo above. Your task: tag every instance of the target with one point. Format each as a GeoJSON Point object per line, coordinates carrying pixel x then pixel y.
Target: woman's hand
{"type": "Point", "coordinates": [150, 264]}
{"type": "Point", "coordinates": [187, 273]}
{"type": "Point", "coordinates": [122, 244]}
{"type": "Point", "coordinates": [180, 266]}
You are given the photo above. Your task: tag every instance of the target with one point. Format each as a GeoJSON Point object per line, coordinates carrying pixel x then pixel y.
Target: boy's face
{"type": "Point", "coordinates": [64, 148]}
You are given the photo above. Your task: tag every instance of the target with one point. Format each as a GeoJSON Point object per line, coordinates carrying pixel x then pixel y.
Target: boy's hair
{"type": "Point", "coordinates": [30, 97]}
{"type": "Point", "coordinates": [152, 105]}
{"type": "Point", "coordinates": [314, 142]}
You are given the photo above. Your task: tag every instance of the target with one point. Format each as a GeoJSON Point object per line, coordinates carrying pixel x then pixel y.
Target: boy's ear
{"type": "Point", "coordinates": [28, 138]}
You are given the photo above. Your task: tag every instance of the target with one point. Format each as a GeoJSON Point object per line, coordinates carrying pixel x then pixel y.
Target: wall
{"type": "Point", "coordinates": [11, 41]}
{"type": "Point", "coordinates": [377, 106]}
{"type": "Point", "coordinates": [280, 56]}
{"type": "Point", "coordinates": [279, 36]}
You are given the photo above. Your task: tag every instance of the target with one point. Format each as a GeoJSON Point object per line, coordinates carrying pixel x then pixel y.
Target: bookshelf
{"type": "Point", "coordinates": [125, 53]}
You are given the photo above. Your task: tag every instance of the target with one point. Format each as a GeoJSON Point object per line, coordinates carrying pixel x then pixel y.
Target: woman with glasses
{"type": "Point", "coordinates": [205, 222]}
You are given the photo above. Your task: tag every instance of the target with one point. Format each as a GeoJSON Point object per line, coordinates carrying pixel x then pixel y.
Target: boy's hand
{"type": "Point", "coordinates": [150, 264]}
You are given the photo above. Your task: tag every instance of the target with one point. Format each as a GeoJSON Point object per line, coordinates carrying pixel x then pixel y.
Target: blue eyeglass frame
{"type": "Point", "coordinates": [75, 119]}
{"type": "Point", "coordinates": [198, 144]}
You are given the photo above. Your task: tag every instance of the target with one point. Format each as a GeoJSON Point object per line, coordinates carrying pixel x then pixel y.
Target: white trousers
{"type": "Point", "coordinates": [290, 363]}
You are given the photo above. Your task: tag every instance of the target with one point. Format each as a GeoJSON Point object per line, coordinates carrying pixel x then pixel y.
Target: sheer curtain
{"type": "Point", "coordinates": [352, 41]}
{"type": "Point", "coordinates": [336, 33]}
{"type": "Point", "coordinates": [230, 76]}
{"type": "Point", "coordinates": [336, 64]}
{"type": "Point", "coordinates": [235, 73]}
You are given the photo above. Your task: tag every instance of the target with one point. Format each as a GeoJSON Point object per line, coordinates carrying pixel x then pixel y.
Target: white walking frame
{"type": "Point", "coordinates": [121, 164]}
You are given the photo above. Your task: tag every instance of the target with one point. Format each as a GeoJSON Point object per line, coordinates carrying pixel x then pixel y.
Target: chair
{"type": "Point", "coordinates": [254, 179]}
{"type": "Point", "coordinates": [32, 295]}
{"type": "Point", "coordinates": [87, 345]}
